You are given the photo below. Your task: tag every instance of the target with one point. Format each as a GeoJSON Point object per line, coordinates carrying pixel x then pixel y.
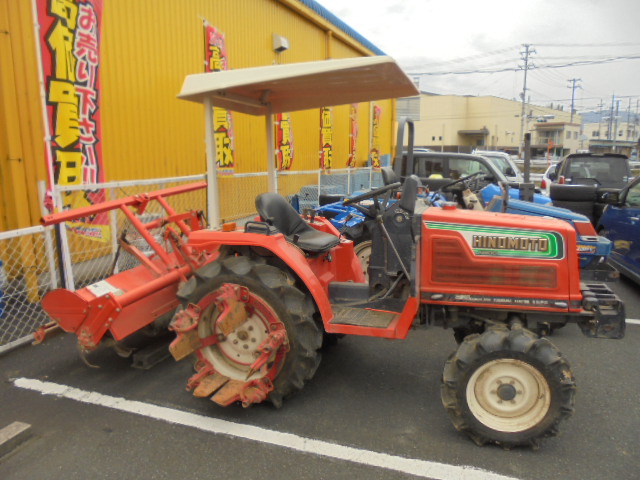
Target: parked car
{"type": "Point", "coordinates": [440, 169]}
{"type": "Point", "coordinates": [504, 162]}
{"type": "Point", "coordinates": [583, 179]}
{"type": "Point", "coordinates": [620, 223]}
{"type": "Point", "coordinates": [545, 183]}
{"type": "Point", "coordinates": [608, 170]}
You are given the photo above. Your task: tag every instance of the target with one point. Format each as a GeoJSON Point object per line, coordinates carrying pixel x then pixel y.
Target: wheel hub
{"type": "Point", "coordinates": [508, 395]}
{"type": "Point", "coordinates": [240, 347]}
{"type": "Point", "coordinates": [506, 392]}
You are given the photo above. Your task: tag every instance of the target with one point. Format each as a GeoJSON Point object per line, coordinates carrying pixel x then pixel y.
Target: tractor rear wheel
{"type": "Point", "coordinates": [507, 387]}
{"type": "Point", "coordinates": [363, 252]}
{"type": "Point", "coordinates": [256, 335]}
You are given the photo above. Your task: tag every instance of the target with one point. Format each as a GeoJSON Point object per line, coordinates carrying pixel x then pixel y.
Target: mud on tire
{"type": "Point", "coordinates": [275, 288]}
{"type": "Point", "coordinates": [507, 387]}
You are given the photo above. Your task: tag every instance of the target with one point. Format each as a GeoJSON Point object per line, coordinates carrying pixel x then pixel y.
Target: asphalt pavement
{"type": "Point", "coordinates": [372, 411]}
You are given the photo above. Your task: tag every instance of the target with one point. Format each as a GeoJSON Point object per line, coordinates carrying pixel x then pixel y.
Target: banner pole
{"type": "Point", "coordinates": [43, 102]}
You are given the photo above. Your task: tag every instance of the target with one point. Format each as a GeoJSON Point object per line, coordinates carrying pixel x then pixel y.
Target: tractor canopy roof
{"type": "Point", "coordinates": [300, 86]}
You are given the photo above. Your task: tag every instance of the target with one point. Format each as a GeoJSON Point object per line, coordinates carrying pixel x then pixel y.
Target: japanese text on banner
{"type": "Point", "coordinates": [326, 138]}
{"type": "Point", "coordinates": [374, 153]}
{"type": "Point", "coordinates": [284, 141]}
{"type": "Point", "coordinates": [216, 60]}
{"type": "Point", "coordinates": [70, 56]}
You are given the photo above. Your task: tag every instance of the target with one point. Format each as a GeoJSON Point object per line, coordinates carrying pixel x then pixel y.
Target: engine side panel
{"type": "Point", "coordinates": [480, 258]}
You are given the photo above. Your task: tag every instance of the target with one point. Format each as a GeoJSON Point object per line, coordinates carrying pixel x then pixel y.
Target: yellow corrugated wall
{"type": "Point", "coordinates": [21, 135]}
{"type": "Point", "coordinates": [148, 46]}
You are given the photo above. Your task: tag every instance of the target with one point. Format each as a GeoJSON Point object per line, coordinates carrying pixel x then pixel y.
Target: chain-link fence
{"type": "Point", "coordinates": [28, 266]}
{"type": "Point", "coordinates": [90, 258]}
{"type": "Point", "coordinates": [80, 253]}
{"type": "Point", "coordinates": [310, 185]}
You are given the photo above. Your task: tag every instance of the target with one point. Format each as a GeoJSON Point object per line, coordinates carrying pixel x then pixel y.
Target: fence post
{"type": "Point", "coordinates": [65, 252]}
{"type": "Point", "coordinates": [48, 241]}
{"type": "Point", "coordinates": [3, 281]}
{"type": "Point", "coordinates": [113, 220]}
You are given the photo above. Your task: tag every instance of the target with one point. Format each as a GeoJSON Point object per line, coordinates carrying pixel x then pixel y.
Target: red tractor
{"type": "Point", "coordinates": [253, 305]}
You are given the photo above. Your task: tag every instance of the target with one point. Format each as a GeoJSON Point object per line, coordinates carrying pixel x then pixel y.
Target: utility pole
{"type": "Point", "coordinates": [635, 121]}
{"type": "Point", "coordinates": [615, 132]}
{"type": "Point", "coordinates": [573, 94]}
{"type": "Point", "coordinates": [626, 137]}
{"type": "Point", "coordinates": [613, 102]}
{"type": "Point", "coordinates": [600, 105]}
{"type": "Point", "coordinates": [528, 50]}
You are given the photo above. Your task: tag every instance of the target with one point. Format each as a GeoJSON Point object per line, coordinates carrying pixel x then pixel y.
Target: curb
{"type": "Point", "coordinates": [13, 435]}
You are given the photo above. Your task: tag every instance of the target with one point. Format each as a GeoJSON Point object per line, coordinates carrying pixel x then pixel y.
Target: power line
{"type": "Point", "coordinates": [469, 57]}
{"type": "Point", "coordinates": [537, 67]}
{"type": "Point", "coordinates": [591, 45]}
{"type": "Point", "coordinates": [577, 57]}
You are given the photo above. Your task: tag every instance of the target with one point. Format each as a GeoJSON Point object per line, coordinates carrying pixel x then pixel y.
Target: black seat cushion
{"type": "Point", "coordinates": [275, 210]}
{"type": "Point", "coordinates": [389, 176]}
{"type": "Point", "coordinates": [410, 193]}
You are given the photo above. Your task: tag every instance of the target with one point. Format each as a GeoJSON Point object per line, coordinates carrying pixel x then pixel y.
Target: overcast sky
{"type": "Point", "coordinates": [430, 36]}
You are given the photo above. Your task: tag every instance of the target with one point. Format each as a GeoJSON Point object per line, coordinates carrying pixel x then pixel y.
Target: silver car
{"type": "Point", "coordinates": [504, 162]}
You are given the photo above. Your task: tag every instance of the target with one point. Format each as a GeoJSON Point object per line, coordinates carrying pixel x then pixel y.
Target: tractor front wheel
{"type": "Point", "coordinates": [507, 387]}
{"type": "Point", "coordinates": [251, 330]}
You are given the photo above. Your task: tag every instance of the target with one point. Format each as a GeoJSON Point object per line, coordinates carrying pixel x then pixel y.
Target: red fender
{"type": "Point", "coordinates": [207, 240]}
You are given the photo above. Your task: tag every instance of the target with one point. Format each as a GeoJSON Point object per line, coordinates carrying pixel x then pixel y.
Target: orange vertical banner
{"type": "Point", "coordinates": [326, 138]}
{"type": "Point", "coordinates": [374, 152]}
{"type": "Point", "coordinates": [353, 134]}
{"type": "Point", "coordinates": [70, 55]}
{"type": "Point", "coordinates": [284, 141]}
{"type": "Point", "coordinates": [216, 60]}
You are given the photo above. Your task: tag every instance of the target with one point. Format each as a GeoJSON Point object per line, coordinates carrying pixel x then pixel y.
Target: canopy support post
{"type": "Point", "coordinates": [271, 153]}
{"type": "Point", "coordinates": [213, 200]}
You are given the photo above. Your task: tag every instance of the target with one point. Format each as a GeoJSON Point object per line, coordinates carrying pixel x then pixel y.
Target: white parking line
{"type": "Point", "coordinates": [420, 468]}
{"type": "Point", "coordinates": [633, 321]}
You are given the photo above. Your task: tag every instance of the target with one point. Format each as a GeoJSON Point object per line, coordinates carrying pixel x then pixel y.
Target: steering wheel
{"type": "Point", "coordinates": [370, 212]}
{"type": "Point", "coordinates": [462, 180]}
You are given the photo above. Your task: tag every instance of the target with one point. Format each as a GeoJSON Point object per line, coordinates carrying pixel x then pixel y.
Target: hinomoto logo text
{"type": "Point", "coordinates": [507, 242]}
{"type": "Point", "coordinates": [523, 244]}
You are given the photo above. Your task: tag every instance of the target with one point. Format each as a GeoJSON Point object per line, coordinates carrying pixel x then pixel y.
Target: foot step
{"type": "Point", "coordinates": [361, 317]}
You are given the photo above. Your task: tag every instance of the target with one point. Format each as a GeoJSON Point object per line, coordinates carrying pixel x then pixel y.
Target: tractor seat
{"type": "Point", "coordinates": [389, 176]}
{"type": "Point", "coordinates": [275, 210]}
